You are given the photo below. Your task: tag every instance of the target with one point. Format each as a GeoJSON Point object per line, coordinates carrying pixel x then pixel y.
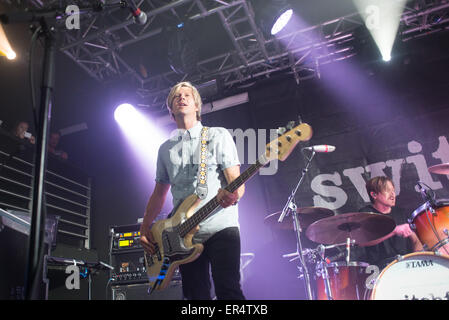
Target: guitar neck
{"type": "Point", "coordinates": [279, 148]}
{"type": "Point", "coordinates": [245, 176]}
{"type": "Point", "coordinates": [213, 204]}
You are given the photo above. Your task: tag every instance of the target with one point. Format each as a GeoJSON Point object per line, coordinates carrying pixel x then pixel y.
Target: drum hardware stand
{"type": "Point", "coordinates": [399, 257]}
{"type": "Point", "coordinates": [290, 208]}
{"type": "Point", "coordinates": [325, 272]}
{"type": "Point", "coordinates": [324, 262]}
{"type": "Point", "coordinates": [429, 198]}
{"type": "Point", "coordinates": [348, 251]}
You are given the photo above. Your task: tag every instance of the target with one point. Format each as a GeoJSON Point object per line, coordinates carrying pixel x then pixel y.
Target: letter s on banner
{"type": "Point", "coordinates": [317, 185]}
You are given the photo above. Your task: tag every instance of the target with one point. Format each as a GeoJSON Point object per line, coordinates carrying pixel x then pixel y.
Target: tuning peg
{"type": "Point", "coordinates": [290, 125]}
{"type": "Point", "coordinates": [281, 130]}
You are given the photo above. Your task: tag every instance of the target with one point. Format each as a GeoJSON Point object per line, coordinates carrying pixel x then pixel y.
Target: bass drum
{"type": "Point", "coordinates": [415, 276]}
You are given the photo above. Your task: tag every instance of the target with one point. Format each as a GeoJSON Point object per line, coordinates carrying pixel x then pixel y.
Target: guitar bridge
{"type": "Point", "coordinates": [149, 259]}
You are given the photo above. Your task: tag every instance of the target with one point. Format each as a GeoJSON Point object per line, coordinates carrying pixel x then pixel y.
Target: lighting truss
{"type": "Point", "coordinates": [97, 46]}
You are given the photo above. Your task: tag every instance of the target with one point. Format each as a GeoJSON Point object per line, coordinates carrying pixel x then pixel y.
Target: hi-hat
{"type": "Point", "coordinates": [365, 228]}
{"type": "Point", "coordinates": [306, 217]}
{"type": "Point", "coordinates": [440, 168]}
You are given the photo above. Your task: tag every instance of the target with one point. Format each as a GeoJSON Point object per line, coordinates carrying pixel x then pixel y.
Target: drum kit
{"type": "Point", "coordinates": [418, 275]}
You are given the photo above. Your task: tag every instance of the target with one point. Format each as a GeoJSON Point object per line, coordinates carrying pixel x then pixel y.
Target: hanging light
{"type": "Point", "coordinates": [272, 16]}
{"type": "Point", "coordinates": [382, 19]}
{"type": "Point", "coordinates": [282, 21]}
{"type": "Point", "coordinates": [182, 51]}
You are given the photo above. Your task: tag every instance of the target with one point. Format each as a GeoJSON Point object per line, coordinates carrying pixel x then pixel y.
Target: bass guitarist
{"type": "Point", "coordinates": [179, 164]}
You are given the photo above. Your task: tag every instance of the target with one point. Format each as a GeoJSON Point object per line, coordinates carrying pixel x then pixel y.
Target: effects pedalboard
{"type": "Point", "coordinates": [127, 255]}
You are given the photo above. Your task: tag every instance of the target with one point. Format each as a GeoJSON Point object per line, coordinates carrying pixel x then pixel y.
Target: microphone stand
{"type": "Point", "coordinates": [325, 272]}
{"type": "Point", "coordinates": [290, 208]}
{"type": "Point", "coordinates": [38, 210]}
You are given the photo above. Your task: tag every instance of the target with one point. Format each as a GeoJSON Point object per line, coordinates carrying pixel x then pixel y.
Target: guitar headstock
{"type": "Point", "coordinates": [281, 147]}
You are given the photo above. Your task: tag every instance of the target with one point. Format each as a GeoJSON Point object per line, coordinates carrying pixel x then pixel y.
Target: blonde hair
{"type": "Point", "coordinates": [196, 97]}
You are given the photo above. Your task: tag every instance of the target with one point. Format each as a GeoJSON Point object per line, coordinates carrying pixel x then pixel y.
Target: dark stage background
{"type": "Point", "coordinates": [387, 119]}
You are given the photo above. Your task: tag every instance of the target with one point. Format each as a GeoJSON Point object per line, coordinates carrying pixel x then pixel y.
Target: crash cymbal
{"type": "Point", "coordinates": [306, 217]}
{"type": "Point", "coordinates": [365, 228]}
{"type": "Point", "coordinates": [440, 168]}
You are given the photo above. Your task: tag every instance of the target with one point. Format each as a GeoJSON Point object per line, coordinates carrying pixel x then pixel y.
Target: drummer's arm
{"type": "Point", "coordinates": [416, 244]}
{"type": "Point", "coordinates": [404, 230]}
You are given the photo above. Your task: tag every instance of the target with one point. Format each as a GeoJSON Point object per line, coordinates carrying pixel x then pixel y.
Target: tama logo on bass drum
{"type": "Point", "coordinates": [419, 264]}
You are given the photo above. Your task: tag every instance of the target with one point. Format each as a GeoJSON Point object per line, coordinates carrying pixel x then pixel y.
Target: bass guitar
{"type": "Point", "coordinates": [173, 236]}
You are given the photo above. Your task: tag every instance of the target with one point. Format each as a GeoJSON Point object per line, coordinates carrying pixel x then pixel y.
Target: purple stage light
{"type": "Point", "coordinates": [141, 132]}
{"type": "Point", "coordinates": [143, 136]}
{"type": "Point", "coordinates": [124, 113]}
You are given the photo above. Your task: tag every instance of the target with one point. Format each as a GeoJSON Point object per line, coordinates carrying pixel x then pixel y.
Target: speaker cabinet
{"type": "Point", "coordinates": [140, 292]}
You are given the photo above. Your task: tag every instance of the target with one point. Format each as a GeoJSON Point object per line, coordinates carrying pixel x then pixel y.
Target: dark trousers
{"type": "Point", "coordinates": [221, 255]}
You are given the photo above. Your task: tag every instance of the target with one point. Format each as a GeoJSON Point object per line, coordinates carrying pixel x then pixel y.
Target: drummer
{"type": "Point", "coordinates": [399, 242]}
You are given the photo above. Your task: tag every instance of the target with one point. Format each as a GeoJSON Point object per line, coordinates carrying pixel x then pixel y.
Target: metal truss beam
{"type": "Point", "coordinates": [97, 46]}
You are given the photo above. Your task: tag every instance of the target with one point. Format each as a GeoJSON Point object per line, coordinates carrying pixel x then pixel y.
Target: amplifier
{"type": "Point", "coordinates": [129, 267]}
{"type": "Point", "coordinates": [127, 256]}
{"type": "Point", "coordinates": [125, 237]}
{"type": "Point", "coordinates": [141, 292]}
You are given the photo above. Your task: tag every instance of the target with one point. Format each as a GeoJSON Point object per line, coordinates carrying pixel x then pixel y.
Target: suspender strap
{"type": "Point", "coordinates": [201, 188]}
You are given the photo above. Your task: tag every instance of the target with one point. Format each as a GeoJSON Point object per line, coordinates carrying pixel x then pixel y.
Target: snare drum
{"type": "Point", "coordinates": [415, 276]}
{"type": "Point", "coordinates": [347, 281]}
{"type": "Point", "coordinates": [431, 224]}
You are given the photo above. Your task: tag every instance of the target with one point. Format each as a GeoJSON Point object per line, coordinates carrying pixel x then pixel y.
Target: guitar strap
{"type": "Point", "coordinates": [201, 188]}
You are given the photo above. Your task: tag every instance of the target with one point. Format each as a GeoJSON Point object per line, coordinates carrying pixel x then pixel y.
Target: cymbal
{"type": "Point", "coordinates": [365, 228]}
{"type": "Point", "coordinates": [306, 217]}
{"type": "Point", "coordinates": [439, 168]}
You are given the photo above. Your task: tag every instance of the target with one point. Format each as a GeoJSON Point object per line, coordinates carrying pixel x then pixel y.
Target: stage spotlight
{"type": "Point", "coordinates": [272, 16]}
{"type": "Point", "coordinates": [282, 21]}
{"type": "Point", "coordinates": [386, 58]}
{"type": "Point", "coordinates": [142, 135]}
{"type": "Point", "coordinates": [125, 113]}
{"type": "Point", "coordinates": [5, 47]}
{"type": "Point", "coordinates": [382, 18]}
{"type": "Point", "coordinates": [11, 55]}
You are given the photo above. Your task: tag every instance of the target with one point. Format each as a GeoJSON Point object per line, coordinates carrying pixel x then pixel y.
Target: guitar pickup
{"type": "Point", "coordinates": [158, 253]}
{"type": "Point", "coordinates": [166, 242]}
{"type": "Point", "coordinates": [149, 259]}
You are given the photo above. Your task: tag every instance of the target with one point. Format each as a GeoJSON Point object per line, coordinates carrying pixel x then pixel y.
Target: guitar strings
{"type": "Point", "coordinates": [201, 214]}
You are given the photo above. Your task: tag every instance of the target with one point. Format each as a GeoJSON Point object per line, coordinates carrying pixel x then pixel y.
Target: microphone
{"type": "Point", "coordinates": [320, 148]}
{"type": "Point", "coordinates": [425, 193]}
{"type": "Point", "coordinates": [140, 17]}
